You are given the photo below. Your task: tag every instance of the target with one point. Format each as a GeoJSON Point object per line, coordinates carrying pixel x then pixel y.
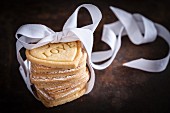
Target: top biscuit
{"type": "Point", "coordinates": [58, 55]}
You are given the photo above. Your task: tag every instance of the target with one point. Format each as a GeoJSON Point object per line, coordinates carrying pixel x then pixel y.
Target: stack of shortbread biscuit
{"type": "Point", "coordinates": [58, 72]}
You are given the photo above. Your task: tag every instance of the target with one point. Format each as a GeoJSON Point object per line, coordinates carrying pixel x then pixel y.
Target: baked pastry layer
{"type": "Point", "coordinates": [57, 55]}
{"type": "Point", "coordinates": [63, 100]}
{"type": "Point", "coordinates": [61, 83]}
{"type": "Point", "coordinates": [40, 70]}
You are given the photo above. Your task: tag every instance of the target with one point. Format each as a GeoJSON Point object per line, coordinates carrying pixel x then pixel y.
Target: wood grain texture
{"type": "Point", "coordinates": [117, 89]}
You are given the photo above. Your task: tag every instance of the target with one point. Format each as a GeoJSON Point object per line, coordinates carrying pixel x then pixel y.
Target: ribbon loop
{"type": "Point", "coordinates": [95, 15]}
{"type": "Point", "coordinates": [34, 31]}
{"type": "Point", "coordinates": [146, 27]}
{"type": "Point", "coordinates": [135, 26]}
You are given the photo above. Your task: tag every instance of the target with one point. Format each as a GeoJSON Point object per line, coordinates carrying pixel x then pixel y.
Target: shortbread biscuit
{"type": "Point", "coordinates": [60, 94]}
{"type": "Point", "coordinates": [60, 83]}
{"type": "Point", "coordinates": [57, 55]}
{"type": "Point", "coordinates": [55, 76]}
{"type": "Point", "coordinates": [57, 93]}
{"type": "Point", "coordinates": [59, 78]}
{"type": "Point", "coordinates": [67, 85]}
{"type": "Point", "coordinates": [40, 70]}
{"type": "Point", "coordinates": [62, 100]}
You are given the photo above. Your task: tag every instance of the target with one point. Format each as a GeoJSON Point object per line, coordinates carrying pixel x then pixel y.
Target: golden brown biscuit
{"type": "Point", "coordinates": [40, 70]}
{"type": "Point", "coordinates": [61, 101]}
{"type": "Point", "coordinates": [57, 55]}
{"type": "Point", "coordinates": [60, 83]}
{"type": "Point", "coordinates": [59, 78]}
{"type": "Point", "coordinates": [53, 76]}
{"type": "Point", "coordinates": [62, 87]}
{"type": "Point", "coordinates": [61, 93]}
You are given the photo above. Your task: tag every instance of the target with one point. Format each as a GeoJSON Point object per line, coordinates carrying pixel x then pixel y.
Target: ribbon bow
{"type": "Point", "coordinates": [35, 35]}
{"type": "Point", "coordinates": [41, 35]}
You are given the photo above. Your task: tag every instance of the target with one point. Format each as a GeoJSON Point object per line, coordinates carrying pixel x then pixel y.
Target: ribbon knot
{"type": "Point", "coordinates": [57, 37]}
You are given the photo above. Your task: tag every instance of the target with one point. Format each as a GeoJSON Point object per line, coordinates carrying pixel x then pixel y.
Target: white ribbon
{"type": "Point", "coordinates": [34, 35]}
{"type": "Point", "coordinates": [134, 26]}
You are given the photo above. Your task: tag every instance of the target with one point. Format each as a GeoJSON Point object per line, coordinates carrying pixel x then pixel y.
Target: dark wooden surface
{"type": "Point", "coordinates": [117, 89]}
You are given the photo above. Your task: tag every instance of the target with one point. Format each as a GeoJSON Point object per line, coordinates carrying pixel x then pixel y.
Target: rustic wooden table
{"type": "Point", "coordinates": [117, 89]}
